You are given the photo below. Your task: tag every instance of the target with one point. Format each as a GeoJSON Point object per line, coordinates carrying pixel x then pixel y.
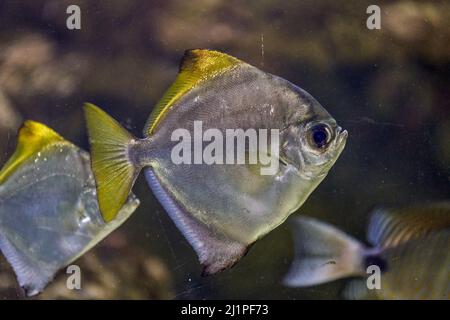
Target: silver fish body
{"type": "Point", "coordinates": [223, 208]}
{"type": "Point", "coordinates": [49, 214]}
{"type": "Point", "coordinates": [233, 199]}
{"type": "Point", "coordinates": [409, 257]}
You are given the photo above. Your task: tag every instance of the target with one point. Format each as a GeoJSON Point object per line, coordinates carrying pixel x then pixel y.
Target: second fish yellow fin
{"type": "Point", "coordinates": [33, 138]}
{"type": "Point", "coordinates": [114, 173]}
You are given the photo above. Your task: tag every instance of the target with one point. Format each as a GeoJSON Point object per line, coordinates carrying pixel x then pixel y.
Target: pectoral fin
{"type": "Point", "coordinates": [215, 251]}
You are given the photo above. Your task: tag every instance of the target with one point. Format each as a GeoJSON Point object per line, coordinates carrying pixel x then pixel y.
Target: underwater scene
{"type": "Point", "coordinates": [210, 150]}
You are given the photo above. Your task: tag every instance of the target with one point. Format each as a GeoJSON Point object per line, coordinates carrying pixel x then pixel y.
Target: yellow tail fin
{"type": "Point", "coordinates": [114, 173]}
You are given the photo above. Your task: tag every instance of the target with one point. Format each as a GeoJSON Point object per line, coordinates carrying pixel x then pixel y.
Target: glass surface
{"type": "Point", "coordinates": [390, 88]}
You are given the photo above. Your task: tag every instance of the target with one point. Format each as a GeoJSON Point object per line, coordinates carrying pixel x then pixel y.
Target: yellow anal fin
{"type": "Point", "coordinates": [197, 65]}
{"type": "Point", "coordinates": [33, 138]}
{"type": "Point", "coordinates": [114, 172]}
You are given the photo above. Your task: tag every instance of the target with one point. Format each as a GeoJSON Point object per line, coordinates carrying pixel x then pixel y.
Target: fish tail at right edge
{"type": "Point", "coordinates": [322, 254]}
{"type": "Point", "coordinates": [113, 166]}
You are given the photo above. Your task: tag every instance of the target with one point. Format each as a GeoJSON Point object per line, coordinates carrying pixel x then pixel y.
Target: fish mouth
{"type": "Point", "coordinates": [341, 138]}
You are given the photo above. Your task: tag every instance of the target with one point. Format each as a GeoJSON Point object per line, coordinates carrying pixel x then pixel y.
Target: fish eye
{"type": "Point", "coordinates": [319, 136]}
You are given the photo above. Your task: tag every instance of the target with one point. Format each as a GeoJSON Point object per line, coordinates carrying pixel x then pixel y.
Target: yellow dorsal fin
{"type": "Point", "coordinates": [197, 65]}
{"type": "Point", "coordinates": [33, 137]}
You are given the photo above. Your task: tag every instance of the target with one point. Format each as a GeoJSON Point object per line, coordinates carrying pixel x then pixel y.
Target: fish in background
{"type": "Point", "coordinates": [49, 214]}
{"type": "Point", "coordinates": [411, 247]}
{"type": "Point", "coordinates": [220, 209]}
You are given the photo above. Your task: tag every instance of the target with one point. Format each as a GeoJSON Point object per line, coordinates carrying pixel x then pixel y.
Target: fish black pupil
{"type": "Point", "coordinates": [320, 136]}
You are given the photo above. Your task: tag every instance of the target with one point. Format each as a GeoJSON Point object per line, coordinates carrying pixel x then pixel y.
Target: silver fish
{"type": "Point", "coordinates": [49, 214]}
{"type": "Point", "coordinates": [220, 209]}
{"type": "Point", "coordinates": [410, 246]}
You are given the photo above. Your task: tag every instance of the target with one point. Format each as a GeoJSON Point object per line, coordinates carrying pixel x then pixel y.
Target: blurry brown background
{"type": "Point", "coordinates": [389, 88]}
